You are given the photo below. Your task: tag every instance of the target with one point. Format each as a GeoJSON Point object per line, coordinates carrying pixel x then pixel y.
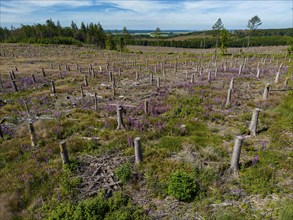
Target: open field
{"type": "Point", "coordinates": [175, 100]}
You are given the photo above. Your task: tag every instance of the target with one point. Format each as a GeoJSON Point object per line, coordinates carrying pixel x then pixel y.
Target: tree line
{"type": "Point", "coordinates": [54, 33]}
{"type": "Point", "coordinates": [218, 37]}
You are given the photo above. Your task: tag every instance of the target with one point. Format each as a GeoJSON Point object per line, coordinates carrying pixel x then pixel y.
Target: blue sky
{"type": "Point", "coordinates": [149, 14]}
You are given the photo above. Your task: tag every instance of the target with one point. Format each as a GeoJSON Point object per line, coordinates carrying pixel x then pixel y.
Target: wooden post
{"type": "Point", "coordinates": [119, 71]}
{"type": "Point", "coordinates": [14, 86]}
{"type": "Point", "coordinates": [209, 76]}
{"type": "Point", "coordinates": [234, 168]}
{"type": "Point", "coordinates": [120, 118]}
{"type": "Point", "coordinates": [114, 86]}
{"type": "Point", "coordinates": [96, 102]}
{"type": "Point", "coordinates": [43, 72]}
{"type": "Point", "coordinates": [81, 91]}
{"type": "Point", "coordinates": [85, 82]}
{"type": "Point", "coordinates": [33, 78]}
{"type": "Point", "coordinates": [15, 68]}
{"type": "Point", "coordinates": [27, 109]}
{"type": "Point", "coordinates": [254, 121]}
{"type": "Point", "coordinates": [32, 132]}
{"type": "Point", "coordinates": [228, 101]}
{"type": "Point", "coordinates": [1, 132]}
{"type": "Point", "coordinates": [286, 83]}
{"type": "Point", "coordinates": [110, 76]}
{"type": "Point", "coordinates": [53, 90]}
{"type": "Point", "coordinates": [136, 75]}
{"type": "Point", "coordinates": [231, 86]}
{"type": "Point", "coordinates": [138, 150]}
{"type": "Point", "coordinates": [151, 78]}
{"type": "Point", "coordinates": [240, 69]}
{"type": "Point", "coordinates": [158, 83]}
{"type": "Point", "coordinates": [277, 77]}
{"type": "Point", "coordinates": [266, 91]}
{"type": "Point", "coordinates": [192, 79]}
{"type": "Point", "coordinates": [146, 107]}
{"type": "Point", "coordinates": [64, 153]}
{"type": "Point", "coordinates": [257, 73]}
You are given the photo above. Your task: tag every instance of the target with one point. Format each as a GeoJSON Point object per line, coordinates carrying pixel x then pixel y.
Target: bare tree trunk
{"type": "Point", "coordinates": [138, 150]}
{"type": "Point", "coordinates": [254, 121]}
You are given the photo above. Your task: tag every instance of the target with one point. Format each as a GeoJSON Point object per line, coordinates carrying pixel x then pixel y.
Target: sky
{"type": "Point", "coordinates": [148, 14]}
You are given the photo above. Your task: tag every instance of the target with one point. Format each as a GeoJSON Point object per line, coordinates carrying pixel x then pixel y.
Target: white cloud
{"type": "Point", "coordinates": [149, 14]}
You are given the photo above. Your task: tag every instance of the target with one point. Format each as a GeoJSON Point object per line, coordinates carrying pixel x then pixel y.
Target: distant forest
{"type": "Point", "coordinates": [54, 33]}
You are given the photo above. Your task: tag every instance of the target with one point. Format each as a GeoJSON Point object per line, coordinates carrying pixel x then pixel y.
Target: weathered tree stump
{"type": "Point", "coordinates": [1, 132]}
{"type": "Point", "coordinates": [138, 150]}
{"type": "Point", "coordinates": [81, 91]}
{"type": "Point", "coordinates": [120, 125]}
{"type": "Point", "coordinates": [266, 91]}
{"type": "Point", "coordinates": [53, 89]}
{"type": "Point", "coordinates": [228, 101]}
{"type": "Point", "coordinates": [14, 86]}
{"type": "Point", "coordinates": [182, 130]}
{"type": "Point", "coordinates": [64, 153]}
{"type": "Point", "coordinates": [43, 72]}
{"type": "Point", "coordinates": [85, 81]}
{"type": "Point", "coordinates": [277, 77]}
{"type": "Point", "coordinates": [151, 78]}
{"type": "Point", "coordinates": [231, 85]}
{"type": "Point", "coordinates": [158, 82]}
{"type": "Point", "coordinates": [192, 79]}
{"type": "Point", "coordinates": [234, 168]}
{"type": "Point", "coordinates": [96, 101]}
{"type": "Point", "coordinates": [146, 107]}
{"type": "Point", "coordinates": [254, 121]}
{"type": "Point", "coordinates": [32, 133]}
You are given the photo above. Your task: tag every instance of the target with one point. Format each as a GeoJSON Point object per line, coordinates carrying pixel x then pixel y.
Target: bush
{"type": "Point", "coordinates": [124, 172]}
{"type": "Point", "coordinates": [182, 186]}
{"type": "Point", "coordinates": [116, 207]}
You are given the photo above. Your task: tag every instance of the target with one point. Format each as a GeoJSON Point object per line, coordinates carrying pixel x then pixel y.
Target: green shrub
{"type": "Point", "coordinates": [182, 186]}
{"type": "Point", "coordinates": [98, 208]}
{"type": "Point", "coordinates": [172, 143]}
{"type": "Point", "coordinates": [124, 172]}
{"type": "Point", "coordinates": [259, 180]}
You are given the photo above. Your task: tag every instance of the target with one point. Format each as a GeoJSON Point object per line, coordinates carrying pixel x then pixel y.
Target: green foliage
{"type": "Point", "coordinates": [99, 207]}
{"type": "Point", "coordinates": [171, 143]}
{"type": "Point", "coordinates": [182, 186]}
{"type": "Point", "coordinates": [287, 212]}
{"type": "Point", "coordinates": [124, 172]}
{"type": "Point", "coordinates": [259, 180]}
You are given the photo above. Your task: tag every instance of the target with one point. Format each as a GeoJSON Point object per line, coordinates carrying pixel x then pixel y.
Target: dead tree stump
{"type": "Point", "coordinates": [266, 91]}
{"type": "Point", "coordinates": [120, 125]}
{"type": "Point", "coordinates": [138, 150]}
{"type": "Point", "coordinates": [234, 168]}
{"type": "Point", "coordinates": [146, 107]}
{"type": "Point", "coordinates": [254, 121]}
{"type": "Point", "coordinates": [64, 153]}
{"type": "Point", "coordinates": [32, 133]}
{"type": "Point", "coordinates": [228, 102]}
